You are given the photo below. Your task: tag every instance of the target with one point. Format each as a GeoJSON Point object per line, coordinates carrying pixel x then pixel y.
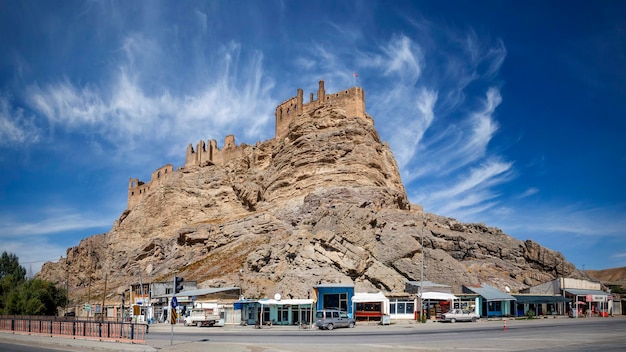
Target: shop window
{"type": "Point", "coordinates": [334, 300]}
{"type": "Point", "coordinates": [401, 307]}
{"type": "Point", "coordinates": [410, 307]}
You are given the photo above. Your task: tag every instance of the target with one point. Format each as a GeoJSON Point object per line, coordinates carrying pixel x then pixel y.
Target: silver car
{"type": "Point", "coordinates": [330, 318]}
{"type": "Point", "coordinates": [460, 315]}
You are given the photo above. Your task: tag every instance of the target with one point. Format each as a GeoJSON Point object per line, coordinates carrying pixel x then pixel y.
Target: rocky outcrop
{"type": "Point", "coordinates": [324, 204]}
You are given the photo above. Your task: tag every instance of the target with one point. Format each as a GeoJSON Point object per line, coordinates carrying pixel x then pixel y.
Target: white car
{"type": "Point", "coordinates": [459, 315]}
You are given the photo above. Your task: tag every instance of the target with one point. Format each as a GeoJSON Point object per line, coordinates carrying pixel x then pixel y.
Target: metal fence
{"type": "Point", "coordinates": [92, 330]}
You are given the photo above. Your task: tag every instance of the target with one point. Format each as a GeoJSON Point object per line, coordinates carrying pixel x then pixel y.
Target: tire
{"type": "Point", "coordinates": [199, 324]}
{"type": "Point", "coordinates": [351, 325]}
{"type": "Point", "coordinates": [473, 319]}
{"type": "Point", "coordinates": [453, 320]}
{"type": "Point", "coordinates": [329, 327]}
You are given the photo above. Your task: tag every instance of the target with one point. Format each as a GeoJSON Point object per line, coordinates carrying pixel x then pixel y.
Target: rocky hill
{"type": "Point", "coordinates": [613, 276]}
{"type": "Point", "coordinates": [324, 204]}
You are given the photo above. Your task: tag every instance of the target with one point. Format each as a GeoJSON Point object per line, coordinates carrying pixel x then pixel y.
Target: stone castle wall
{"type": "Point", "coordinates": [351, 100]}
{"type": "Point", "coordinates": [137, 189]}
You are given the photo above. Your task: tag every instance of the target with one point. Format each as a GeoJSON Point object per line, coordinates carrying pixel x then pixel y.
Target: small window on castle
{"type": "Point", "coordinates": [139, 191]}
{"type": "Point", "coordinates": [158, 174]}
{"type": "Point", "coordinates": [132, 193]}
{"type": "Point", "coordinates": [133, 184]}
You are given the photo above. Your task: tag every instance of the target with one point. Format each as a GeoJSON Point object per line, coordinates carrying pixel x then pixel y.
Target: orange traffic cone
{"type": "Point", "coordinates": [504, 325]}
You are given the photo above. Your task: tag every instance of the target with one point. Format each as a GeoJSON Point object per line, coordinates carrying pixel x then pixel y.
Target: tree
{"type": "Point", "coordinates": [26, 297]}
{"type": "Point", "coordinates": [36, 297]}
{"type": "Point", "coordinates": [12, 274]}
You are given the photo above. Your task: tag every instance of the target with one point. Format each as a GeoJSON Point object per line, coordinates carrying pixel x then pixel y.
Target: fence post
{"type": "Point", "coordinates": [132, 331]}
{"type": "Point", "coordinates": [84, 328]}
{"type": "Point", "coordinates": [12, 324]}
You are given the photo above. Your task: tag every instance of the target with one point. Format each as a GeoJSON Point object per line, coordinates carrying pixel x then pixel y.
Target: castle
{"type": "Point", "coordinates": [351, 100]}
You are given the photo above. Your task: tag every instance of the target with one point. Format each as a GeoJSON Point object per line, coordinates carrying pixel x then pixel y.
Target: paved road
{"type": "Point", "coordinates": [602, 334]}
{"type": "Point", "coordinates": [12, 347]}
{"type": "Point", "coordinates": [589, 334]}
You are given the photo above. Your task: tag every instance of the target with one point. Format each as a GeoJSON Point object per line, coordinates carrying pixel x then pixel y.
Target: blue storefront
{"type": "Point", "coordinates": [491, 302]}
{"type": "Point", "coordinates": [335, 296]}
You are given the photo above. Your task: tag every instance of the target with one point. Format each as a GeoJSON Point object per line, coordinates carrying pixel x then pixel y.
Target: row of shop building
{"type": "Point", "coordinates": [564, 296]}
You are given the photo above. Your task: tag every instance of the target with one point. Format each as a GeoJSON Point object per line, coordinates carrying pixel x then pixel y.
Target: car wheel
{"type": "Point", "coordinates": [351, 325]}
{"type": "Point", "coordinates": [329, 327]}
{"type": "Point", "coordinates": [453, 320]}
{"type": "Point", "coordinates": [474, 320]}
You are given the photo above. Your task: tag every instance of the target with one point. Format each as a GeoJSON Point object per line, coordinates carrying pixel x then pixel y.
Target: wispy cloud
{"type": "Point", "coordinates": [53, 221]}
{"type": "Point", "coordinates": [130, 114]}
{"type": "Point", "coordinates": [529, 192]}
{"type": "Point", "coordinates": [32, 257]}
{"type": "Point", "coordinates": [15, 127]}
{"type": "Point", "coordinates": [403, 59]}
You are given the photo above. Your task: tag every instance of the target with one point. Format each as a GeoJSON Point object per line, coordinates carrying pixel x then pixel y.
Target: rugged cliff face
{"type": "Point", "coordinates": [325, 204]}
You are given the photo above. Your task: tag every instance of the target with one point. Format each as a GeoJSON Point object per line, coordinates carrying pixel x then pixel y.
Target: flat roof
{"type": "Point", "coordinates": [334, 285]}
{"type": "Point", "coordinates": [580, 292]}
{"type": "Point", "coordinates": [199, 292]}
{"type": "Point", "coordinates": [490, 293]}
{"type": "Point", "coordinates": [540, 299]}
{"type": "Point", "coordinates": [426, 284]}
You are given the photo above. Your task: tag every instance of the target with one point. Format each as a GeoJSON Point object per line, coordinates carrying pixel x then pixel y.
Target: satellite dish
{"type": "Point", "coordinates": [277, 296]}
{"type": "Point", "coordinates": [507, 289]}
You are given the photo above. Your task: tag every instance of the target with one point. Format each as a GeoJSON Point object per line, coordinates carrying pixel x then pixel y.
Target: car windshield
{"type": "Point", "coordinates": [319, 315]}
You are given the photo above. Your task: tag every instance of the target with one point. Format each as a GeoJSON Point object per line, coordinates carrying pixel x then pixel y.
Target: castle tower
{"type": "Point", "coordinates": [321, 93]}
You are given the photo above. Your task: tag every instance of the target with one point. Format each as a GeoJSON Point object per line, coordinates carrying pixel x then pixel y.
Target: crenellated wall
{"type": "Point", "coordinates": [208, 153]}
{"type": "Point", "coordinates": [137, 189]}
{"type": "Point", "coordinates": [351, 100]}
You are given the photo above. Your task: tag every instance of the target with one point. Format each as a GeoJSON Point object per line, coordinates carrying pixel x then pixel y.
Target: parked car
{"type": "Point", "coordinates": [333, 318]}
{"type": "Point", "coordinates": [459, 315]}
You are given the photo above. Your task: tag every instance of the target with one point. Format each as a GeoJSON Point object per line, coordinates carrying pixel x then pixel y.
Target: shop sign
{"type": "Point", "coordinates": [596, 298]}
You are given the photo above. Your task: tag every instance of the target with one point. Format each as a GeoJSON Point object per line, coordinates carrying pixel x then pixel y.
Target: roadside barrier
{"type": "Point", "coordinates": [91, 330]}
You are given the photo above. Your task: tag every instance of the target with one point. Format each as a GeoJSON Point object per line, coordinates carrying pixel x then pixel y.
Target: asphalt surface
{"type": "Point", "coordinates": [594, 334]}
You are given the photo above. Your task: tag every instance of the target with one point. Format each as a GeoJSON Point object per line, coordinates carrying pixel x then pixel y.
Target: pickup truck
{"type": "Point", "coordinates": [459, 315]}
{"type": "Point", "coordinates": [203, 317]}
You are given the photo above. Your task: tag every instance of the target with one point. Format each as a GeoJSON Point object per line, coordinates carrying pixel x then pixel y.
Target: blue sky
{"type": "Point", "coordinates": [510, 113]}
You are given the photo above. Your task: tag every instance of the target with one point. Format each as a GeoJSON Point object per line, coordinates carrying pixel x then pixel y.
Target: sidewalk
{"type": "Point", "coordinates": [72, 344]}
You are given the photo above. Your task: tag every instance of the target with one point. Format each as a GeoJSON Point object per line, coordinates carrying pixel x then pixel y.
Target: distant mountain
{"type": "Point", "coordinates": [321, 203]}
{"type": "Point", "coordinates": [614, 275]}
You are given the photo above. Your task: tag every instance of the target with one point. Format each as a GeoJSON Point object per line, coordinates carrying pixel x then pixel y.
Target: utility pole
{"type": "Point", "coordinates": [106, 277]}
{"type": "Point", "coordinates": [421, 290]}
